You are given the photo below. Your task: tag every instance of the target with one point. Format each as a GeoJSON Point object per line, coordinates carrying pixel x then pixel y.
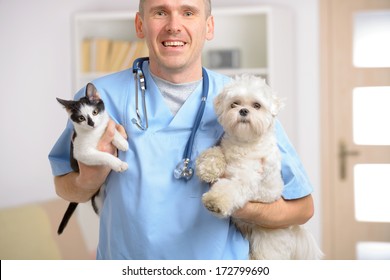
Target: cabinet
{"type": "Point", "coordinates": [248, 39]}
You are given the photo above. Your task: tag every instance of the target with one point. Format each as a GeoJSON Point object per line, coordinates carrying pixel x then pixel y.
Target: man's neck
{"type": "Point", "coordinates": [177, 76]}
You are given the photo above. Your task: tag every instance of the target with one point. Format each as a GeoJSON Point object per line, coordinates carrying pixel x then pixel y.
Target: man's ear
{"type": "Point", "coordinates": [210, 28]}
{"type": "Point", "coordinates": [139, 26]}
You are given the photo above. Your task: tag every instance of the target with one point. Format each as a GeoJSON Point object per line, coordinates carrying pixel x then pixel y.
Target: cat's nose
{"type": "Point", "coordinates": [91, 122]}
{"type": "Point", "coordinates": [244, 112]}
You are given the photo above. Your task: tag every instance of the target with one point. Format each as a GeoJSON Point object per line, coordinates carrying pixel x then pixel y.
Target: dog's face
{"type": "Point", "coordinates": [246, 108]}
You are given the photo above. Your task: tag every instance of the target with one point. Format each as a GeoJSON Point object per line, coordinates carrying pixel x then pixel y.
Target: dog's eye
{"type": "Point", "coordinates": [235, 104]}
{"type": "Point", "coordinates": [257, 106]}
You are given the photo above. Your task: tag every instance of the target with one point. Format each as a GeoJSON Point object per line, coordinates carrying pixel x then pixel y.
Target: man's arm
{"type": "Point", "coordinates": [80, 187]}
{"type": "Point", "coordinates": [279, 214]}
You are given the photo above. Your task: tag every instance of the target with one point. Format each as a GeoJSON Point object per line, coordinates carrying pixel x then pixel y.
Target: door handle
{"type": "Point", "coordinates": [343, 154]}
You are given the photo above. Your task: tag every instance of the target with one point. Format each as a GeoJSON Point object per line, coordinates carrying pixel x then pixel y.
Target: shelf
{"type": "Point", "coordinates": [256, 40]}
{"type": "Point", "coordinates": [233, 32]}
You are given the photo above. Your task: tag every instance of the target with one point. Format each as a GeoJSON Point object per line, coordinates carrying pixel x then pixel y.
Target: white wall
{"type": "Point", "coordinates": [35, 67]}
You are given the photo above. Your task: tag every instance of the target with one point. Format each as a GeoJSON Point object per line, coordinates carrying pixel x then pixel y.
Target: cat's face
{"type": "Point", "coordinates": [88, 112]}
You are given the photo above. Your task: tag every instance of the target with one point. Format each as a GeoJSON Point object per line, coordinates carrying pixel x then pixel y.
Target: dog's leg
{"type": "Point", "coordinates": [225, 196]}
{"type": "Point", "coordinates": [211, 164]}
{"type": "Point", "coordinates": [272, 244]}
{"type": "Point", "coordinates": [307, 248]}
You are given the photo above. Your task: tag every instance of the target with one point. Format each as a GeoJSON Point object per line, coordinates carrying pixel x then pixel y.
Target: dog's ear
{"type": "Point", "coordinates": [277, 105]}
{"type": "Point", "coordinates": [218, 100]}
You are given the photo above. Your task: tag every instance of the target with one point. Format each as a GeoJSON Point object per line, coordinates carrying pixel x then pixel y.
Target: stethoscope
{"type": "Point", "coordinates": [184, 168]}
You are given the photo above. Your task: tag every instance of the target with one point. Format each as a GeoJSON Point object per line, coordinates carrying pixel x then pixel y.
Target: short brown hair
{"type": "Point", "coordinates": [207, 4]}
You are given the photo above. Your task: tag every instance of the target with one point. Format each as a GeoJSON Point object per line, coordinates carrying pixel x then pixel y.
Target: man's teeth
{"type": "Point", "coordinates": [173, 44]}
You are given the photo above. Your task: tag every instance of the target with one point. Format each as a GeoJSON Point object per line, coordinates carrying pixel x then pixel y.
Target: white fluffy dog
{"type": "Point", "coordinates": [246, 166]}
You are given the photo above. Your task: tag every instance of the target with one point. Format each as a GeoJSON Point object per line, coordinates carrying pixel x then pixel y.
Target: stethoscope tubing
{"type": "Point", "coordinates": [184, 168]}
{"type": "Point", "coordinates": [199, 115]}
{"type": "Point", "coordinates": [139, 75]}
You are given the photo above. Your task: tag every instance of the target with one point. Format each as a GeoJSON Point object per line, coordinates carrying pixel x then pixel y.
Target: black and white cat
{"type": "Point", "coordinates": [90, 120]}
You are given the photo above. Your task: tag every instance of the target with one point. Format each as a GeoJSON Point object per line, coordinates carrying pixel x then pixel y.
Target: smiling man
{"type": "Point", "coordinates": [147, 212]}
{"type": "Point", "coordinates": [175, 32]}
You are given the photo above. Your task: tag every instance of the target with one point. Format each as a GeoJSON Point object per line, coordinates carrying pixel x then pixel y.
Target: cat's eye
{"type": "Point", "coordinates": [81, 118]}
{"type": "Point", "coordinates": [95, 112]}
{"type": "Point", "coordinates": [235, 104]}
{"type": "Point", "coordinates": [257, 106]}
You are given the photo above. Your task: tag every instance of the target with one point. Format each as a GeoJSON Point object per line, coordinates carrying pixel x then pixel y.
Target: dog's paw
{"type": "Point", "coordinates": [217, 204]}
{"type": "Point", "coordinates": [210, 165]}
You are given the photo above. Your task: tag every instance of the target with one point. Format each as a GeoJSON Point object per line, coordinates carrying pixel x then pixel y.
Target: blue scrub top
{"type": "Point", "coordinates": [147, 213]}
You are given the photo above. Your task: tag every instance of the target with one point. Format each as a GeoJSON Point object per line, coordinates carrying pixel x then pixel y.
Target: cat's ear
{"type": "Point", "coordinates": [91, 92]}
{"type": "Point", "coordinates": [66, 103]}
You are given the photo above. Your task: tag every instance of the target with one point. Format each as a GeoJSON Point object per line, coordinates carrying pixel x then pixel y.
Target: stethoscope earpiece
{"type": "Point", "coordinates": [183, 169]}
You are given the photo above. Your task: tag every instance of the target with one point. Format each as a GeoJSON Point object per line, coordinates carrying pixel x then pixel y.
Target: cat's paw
{"type": "Point", "coordinates": [120, 166]}
{"type": "Point", "coordinates": [121, 144]}
{"type": "Point", "coordinates": [123, 167]}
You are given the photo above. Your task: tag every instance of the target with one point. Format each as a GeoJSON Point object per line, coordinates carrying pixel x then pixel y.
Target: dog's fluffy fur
{"type": "Point", "coordinates": [246, 166]}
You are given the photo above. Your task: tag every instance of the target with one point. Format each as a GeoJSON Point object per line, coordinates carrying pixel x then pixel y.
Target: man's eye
{"type": "Point", "coordinates": [160, 13]}
{"type": "Point", "coordinates": [188, 14]}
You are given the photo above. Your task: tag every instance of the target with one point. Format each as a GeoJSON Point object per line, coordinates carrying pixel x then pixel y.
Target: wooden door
{"type": "Point", "coordinates": [355, 42]}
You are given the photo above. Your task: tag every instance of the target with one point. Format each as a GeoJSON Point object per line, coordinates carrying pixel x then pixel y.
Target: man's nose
{"type": "Point", "coordinates": [174, 24]}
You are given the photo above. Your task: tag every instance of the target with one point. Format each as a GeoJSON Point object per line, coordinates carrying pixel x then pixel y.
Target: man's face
{"type": "Point", "coordinates": [175, 32]}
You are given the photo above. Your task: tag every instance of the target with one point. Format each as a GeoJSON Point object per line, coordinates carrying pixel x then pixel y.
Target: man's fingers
{"type": "Point", "coordinates": [121, 130]}
{"type": "Point", "coordinates": [105, 142]}
{"type": "Point", "coordinates": [109, 133]}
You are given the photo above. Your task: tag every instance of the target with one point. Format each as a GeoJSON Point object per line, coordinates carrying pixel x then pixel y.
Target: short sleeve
{"type": "Point", "coordinates": [59, 156]}
{"type": "Point", "coordinates": [296, 181]}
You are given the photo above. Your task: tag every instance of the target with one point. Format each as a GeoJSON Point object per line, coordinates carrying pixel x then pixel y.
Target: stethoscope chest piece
{"type": "Point", "coordinates": [183, 170]}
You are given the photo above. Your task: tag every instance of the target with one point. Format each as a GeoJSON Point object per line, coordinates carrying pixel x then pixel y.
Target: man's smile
{"type": "Point", "coordinates": [174, 43]}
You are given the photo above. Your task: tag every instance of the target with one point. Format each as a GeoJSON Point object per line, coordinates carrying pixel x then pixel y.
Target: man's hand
{"type": "Point", "coordinates": [94, 176]}
{"type": "Point", "coordinates": [278, 214]}
{"type": "Point", "coordinates": [105, 143]}
{"type": "Point", "coordinates": [80, 187]}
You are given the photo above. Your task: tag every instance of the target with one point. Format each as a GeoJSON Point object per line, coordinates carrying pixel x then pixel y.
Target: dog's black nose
{"type": "Point", "coordinates": [244, 112]}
